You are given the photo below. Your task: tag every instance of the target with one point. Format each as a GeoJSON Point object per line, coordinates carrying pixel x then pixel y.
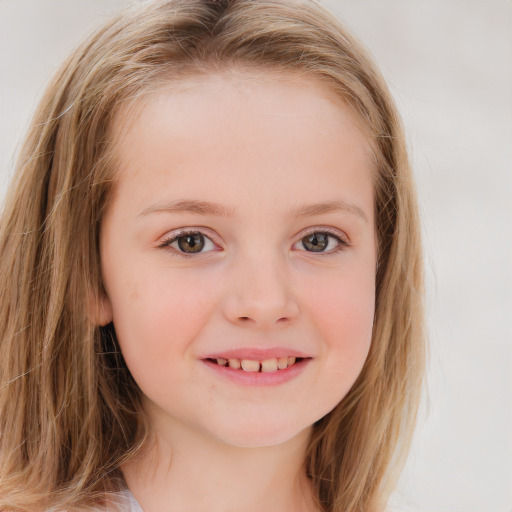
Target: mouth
{"type": "Point", "coordinates": [260, 371]}
{"type": "Point", "coordinates": [275, 364]}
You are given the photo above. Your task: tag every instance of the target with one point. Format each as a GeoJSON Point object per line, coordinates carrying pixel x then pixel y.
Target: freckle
{"type": "Point", "coordinates": [134, 294]}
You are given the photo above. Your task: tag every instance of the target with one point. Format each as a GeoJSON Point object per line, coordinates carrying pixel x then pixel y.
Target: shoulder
{"type": "Point", "coordinates": [124, 502]}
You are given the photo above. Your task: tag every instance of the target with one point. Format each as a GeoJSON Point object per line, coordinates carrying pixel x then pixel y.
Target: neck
{"type": "Point", "coordinates": [180, 469]}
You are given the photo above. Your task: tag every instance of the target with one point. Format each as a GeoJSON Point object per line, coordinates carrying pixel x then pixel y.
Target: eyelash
{"type": "Point", "coordinates": [166, 243]}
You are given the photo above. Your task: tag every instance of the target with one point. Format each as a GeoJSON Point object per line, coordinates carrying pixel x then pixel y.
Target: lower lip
{"type": "Point", "coordinates": [259, 378]}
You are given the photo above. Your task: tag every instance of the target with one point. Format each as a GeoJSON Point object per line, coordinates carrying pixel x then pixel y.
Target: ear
{"type": "Point", "coordinates": [101, 310]}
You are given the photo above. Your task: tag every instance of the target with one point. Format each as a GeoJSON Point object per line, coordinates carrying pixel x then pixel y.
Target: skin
{"type": "Point", "coordinates": [261, 146]}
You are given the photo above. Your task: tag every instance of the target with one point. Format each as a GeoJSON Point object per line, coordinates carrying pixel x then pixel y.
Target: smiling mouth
{"type": "Point", "coordinates": [252, 366]}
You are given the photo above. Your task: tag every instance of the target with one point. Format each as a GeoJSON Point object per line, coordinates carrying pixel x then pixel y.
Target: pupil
{"type": "Point", "coordinates": [191, 243]}
{"type": "Point", "coordinates": [316, 242]}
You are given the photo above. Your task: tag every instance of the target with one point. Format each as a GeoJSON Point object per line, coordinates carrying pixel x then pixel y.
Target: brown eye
{"type": "Point", "coordinates": [191, 243]}
{"type": "Point", "coordinates": [188, 243]}
{"type": "Point", "coordinates": [320, 242]}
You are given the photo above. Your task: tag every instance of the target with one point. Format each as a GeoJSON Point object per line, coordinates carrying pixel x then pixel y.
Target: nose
{"type": "Point", "coordinates": [260, 294]}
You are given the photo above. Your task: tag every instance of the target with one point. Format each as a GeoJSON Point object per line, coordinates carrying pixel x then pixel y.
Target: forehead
{"type": "Point", "coordinates": [227, 88]}
{"type": "Point", "coordinates": [240, 129]}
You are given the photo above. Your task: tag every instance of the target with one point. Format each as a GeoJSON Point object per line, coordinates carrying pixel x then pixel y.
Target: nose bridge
{"type": "Point", "coordinates": [260, 292]}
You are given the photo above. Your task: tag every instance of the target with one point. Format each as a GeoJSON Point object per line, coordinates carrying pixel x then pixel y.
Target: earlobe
{"type": "Point", "coordinates": [102, 311]}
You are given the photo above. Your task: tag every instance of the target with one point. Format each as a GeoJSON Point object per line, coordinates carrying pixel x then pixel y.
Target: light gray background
{"type": "Point", "coordinates": [449, 65]}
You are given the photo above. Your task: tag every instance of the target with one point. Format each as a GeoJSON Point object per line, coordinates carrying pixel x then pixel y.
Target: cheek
{"type": "Point", "coordinates": [157, 319]}
{"type": "Point", "coordinates": [342, 310]}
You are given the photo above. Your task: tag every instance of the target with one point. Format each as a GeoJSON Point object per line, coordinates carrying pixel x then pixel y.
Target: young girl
{"type": "Point", "coordinates": [211, 279]}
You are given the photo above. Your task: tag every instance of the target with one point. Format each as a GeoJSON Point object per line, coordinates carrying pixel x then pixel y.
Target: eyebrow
{"type": "Point", "coordinates": [208, 208]}
{"type": "Point", "coordinates": [188, 206]}
{"type": "Point", "coordinates": [329, 207]}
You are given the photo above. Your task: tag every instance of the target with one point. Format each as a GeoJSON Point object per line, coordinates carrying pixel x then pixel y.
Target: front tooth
{"type": "Point", "coordinates": [222, 361]}
{"type": "Point", "coordinates": [282, 363]}
{"type": "Point", "coordinates": [234, 363]}
{"type": "Point", "coordinates": [250, 366]}
{"type": "Point", "coordinates": [291, 360]}
{"type": "Point", "coordinates": [269, 365]}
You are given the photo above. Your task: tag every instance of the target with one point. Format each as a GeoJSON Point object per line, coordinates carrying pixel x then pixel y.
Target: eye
{"type": "Point", "coordinates": [191, 242]}
{"type": "Point", "coordinates": [321, 241]}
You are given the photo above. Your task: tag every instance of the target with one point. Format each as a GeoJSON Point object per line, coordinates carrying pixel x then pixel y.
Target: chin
{"type": "Point", "coordinates": [259, 435]}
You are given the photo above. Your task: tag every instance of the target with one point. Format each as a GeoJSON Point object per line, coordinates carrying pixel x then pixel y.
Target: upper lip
{"type": "Point", "coordinates": [256, 354]}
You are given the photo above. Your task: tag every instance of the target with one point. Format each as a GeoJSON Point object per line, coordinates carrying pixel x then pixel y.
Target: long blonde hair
{"type": "Point", "coordinates": [70, 412]}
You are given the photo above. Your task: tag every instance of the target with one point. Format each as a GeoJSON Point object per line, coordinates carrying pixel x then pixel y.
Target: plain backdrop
{"type": "Point", "coordinates": [449, 66]}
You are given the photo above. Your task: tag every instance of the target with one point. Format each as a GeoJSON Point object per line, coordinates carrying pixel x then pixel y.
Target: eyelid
{"type": "Point", "coordinates": [337, 233]}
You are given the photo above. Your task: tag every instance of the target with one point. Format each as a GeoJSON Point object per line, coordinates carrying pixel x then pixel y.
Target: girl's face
{"type": "Point", "coordinates": [241, 233]}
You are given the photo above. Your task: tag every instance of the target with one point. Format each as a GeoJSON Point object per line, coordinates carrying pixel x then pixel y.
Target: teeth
{"type": "Point", "coordinates": [234, 363]}
{"type": "Point", "coordinates": [250, 366]}
{"type": "Point", "coordinates": [282, 363]}
{"type": "Point", "coordinates": [269, 365]}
